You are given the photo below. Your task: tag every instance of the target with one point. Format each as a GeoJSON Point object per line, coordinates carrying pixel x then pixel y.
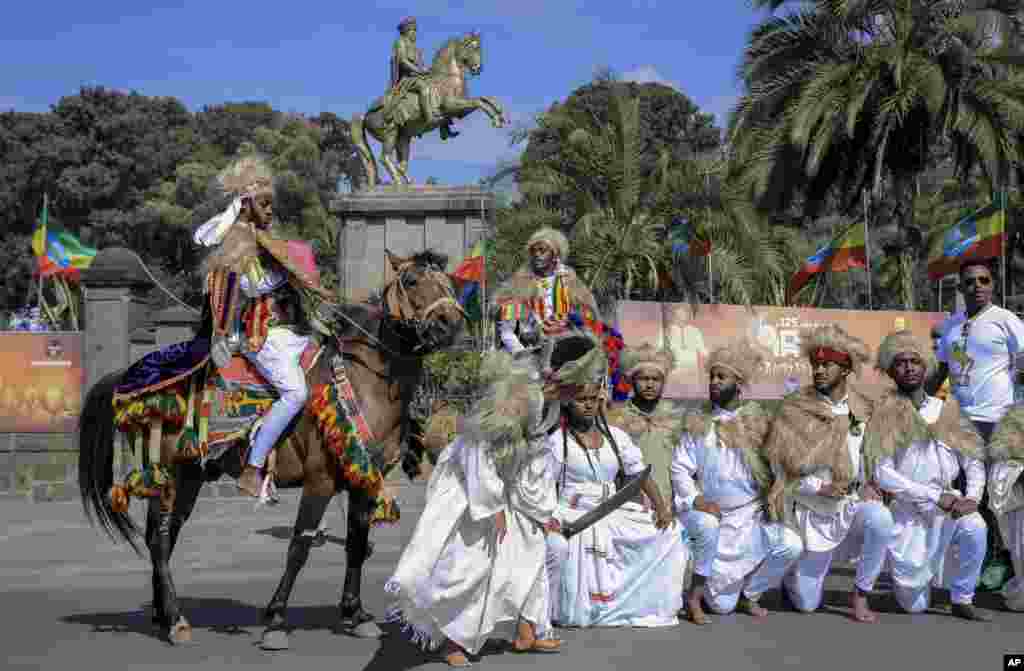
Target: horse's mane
{"type": "Point", "coordinates": [430, 258]}
{"type": "Point", "coordinates": [443, 53]}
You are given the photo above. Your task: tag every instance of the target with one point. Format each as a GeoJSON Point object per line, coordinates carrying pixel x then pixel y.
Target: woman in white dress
{"type": "Point", "coordinates": [625, 570]}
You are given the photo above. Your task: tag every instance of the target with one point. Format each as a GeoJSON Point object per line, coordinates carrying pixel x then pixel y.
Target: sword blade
{"type": "Point", "coordinates": [605, 508]}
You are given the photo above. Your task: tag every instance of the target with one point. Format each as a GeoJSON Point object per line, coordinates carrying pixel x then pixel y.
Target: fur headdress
{"type": "Point", "coordinates": [648, 357]}
{"type": "Point", "coordinates": [246, 175]}
{"type": "Point", "coordinates": [903, 342]}
{"type": "Point", "coordinates": [553, 238]}
{"type": "Point", "coordinates": [741, 358]}
{"type": "Point", "coordinates": [511, 405]}
{"type": "Point", "coordinates": [578, 360]}
{"type": "Point", "coordinates": [832, 337]}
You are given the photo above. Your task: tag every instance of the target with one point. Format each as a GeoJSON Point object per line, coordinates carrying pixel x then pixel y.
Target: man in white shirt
{"type": "Point", "coordinates": [815, 448]}
{"type": "Point", "coordinates": [978, 352]}
{"type": "Point", "coordinates": [918, 446]}
{"type": "Point", "coordinates": [720, 480]}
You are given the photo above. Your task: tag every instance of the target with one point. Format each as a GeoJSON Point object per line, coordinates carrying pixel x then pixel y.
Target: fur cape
{"type": "Point", "coordinates": [806, 436]}
{"type": "Point", "coordinates": [656, 434]}
{"type": "Point", "coordinates": [521, 290]}
{"type": "Point", "coordinates": [746, 433]}
{"type": "Point", "coordinates": [896, 423]}
{"type": "Point", "coordinates": [1008, 439]}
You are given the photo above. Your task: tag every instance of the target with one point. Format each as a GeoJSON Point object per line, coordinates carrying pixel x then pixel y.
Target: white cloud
{"type": "Point", "coordinates": [648, 74]}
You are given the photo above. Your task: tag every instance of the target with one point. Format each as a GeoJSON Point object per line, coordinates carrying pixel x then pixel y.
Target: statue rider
{"type": "Point", "coordinates": [407, 63]}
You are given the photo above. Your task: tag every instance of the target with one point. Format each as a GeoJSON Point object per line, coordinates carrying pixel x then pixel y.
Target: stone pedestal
{"type": "Point", "coordinates": [114, 285]}
{"type": "Point", "coordinates": [405, 220]}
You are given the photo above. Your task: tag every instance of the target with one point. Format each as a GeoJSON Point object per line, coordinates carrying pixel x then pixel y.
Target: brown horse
{"type": "Point", "coordinates": [381, 351]}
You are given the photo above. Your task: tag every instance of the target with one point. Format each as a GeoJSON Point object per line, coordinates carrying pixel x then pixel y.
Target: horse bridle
{"type": "Point", "coordinates": [401, 309]}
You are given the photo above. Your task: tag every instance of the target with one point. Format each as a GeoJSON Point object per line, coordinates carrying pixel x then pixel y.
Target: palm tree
{"type": "Point", "coordinates": [619, 217]}
{"type": "Point", "coordinates": [851, 96]}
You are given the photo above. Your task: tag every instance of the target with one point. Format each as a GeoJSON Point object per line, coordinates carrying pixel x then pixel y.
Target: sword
{"type": "Point", "coordinates": [605, 508]}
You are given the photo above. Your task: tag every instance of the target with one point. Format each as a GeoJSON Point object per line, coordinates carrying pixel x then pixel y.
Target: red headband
{"type": "Point", "coordinates": [829, 354]}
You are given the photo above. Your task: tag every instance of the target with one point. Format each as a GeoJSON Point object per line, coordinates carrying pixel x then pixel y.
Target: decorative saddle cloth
{"type": "Point", "coordinates": [238, 395]}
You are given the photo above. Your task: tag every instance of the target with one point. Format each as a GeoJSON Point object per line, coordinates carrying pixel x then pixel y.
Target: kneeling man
{"type": "Point", "coordinates": [835, 504]}
{"type": "Point", "coordinates": [922, 444]}
{"type": "Point", "coordinates": [720, 479]}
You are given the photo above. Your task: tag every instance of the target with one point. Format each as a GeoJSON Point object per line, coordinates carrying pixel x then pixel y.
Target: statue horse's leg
{"type": "Point", "coordinates": [311, 511]}
{"type": "Point", "coordinates": [402, 150]}
{"type": "Point", "coordinates": [188, 480]}
{"type": "Point", "coordinates": [388, 152]}
{"type": "Point", "coordinates": [355, 620]}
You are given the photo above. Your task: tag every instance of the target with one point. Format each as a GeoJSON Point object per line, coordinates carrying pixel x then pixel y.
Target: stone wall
{"type": "Point", "coordinates": [404, 220]}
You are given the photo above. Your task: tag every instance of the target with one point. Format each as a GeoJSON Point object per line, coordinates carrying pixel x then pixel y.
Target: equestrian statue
{"type": "Point", "coordinates": [420, 99]}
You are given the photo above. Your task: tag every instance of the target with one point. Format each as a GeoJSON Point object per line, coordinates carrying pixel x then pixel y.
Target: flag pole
{"type": "Point", "coordinates": [867, 250]}
{"type": "Point", "coordinates": [485, 322]}
{"type": "Point", "coordinates": [1002, 243]}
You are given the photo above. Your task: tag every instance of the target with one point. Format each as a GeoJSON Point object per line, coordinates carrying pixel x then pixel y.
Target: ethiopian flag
{"type": "Point", "coordinates": [57, 251]}
{"type": "Point", "coordinates": [846, 250]}
{"type": "Point", "coordinates": [979, 235]}
{"type": "Point", "coordinates": [473, 273]}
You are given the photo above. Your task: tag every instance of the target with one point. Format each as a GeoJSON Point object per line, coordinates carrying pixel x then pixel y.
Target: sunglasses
{"type": "Point", "coordinates": [971, 281]}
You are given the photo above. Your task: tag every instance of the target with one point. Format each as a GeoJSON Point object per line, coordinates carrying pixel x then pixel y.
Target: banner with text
{"type": "Point", "coordinates": [41, 381]}
{"type": "Point", "coordinates": [692, 334]}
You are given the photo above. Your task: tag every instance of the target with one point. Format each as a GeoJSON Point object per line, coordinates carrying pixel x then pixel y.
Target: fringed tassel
{"type": "Point", "coordinates": [422, 638]}
{"type": "Point", "coordinates": [148, 482]}
{"type": "Point", "coordinates": [354, 460]}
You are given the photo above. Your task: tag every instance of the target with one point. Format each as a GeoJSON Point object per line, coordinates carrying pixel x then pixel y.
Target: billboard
{"type": "Point", "coordinates": [692, 334]}
{"type": "Point", "coordinates": [41, 382]}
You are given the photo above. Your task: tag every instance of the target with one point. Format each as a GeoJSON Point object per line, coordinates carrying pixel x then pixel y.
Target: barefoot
{"type": "Point", "coordinates": [861, 609]}
{"type": "Point", "coordinates": [250, 481]}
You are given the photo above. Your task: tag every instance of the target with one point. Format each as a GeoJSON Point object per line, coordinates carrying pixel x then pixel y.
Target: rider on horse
{"type": "Point", "coordinates": [408, 70]}
{"type": "Point", "coordinates": [278, 284]}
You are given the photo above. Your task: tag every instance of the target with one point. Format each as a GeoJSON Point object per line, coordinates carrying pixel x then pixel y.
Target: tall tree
{"type": "Point", "coordinates": [849, 97]}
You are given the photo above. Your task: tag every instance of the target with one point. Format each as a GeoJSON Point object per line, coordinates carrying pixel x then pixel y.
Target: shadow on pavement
{"type": "Point", "coordinates": [285, 534]}
{"type": "Point", "coordinates": [218, 615]}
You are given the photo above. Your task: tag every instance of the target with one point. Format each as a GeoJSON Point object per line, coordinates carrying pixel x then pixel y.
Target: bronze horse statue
{"type": "Point", "coordinates": [381, 350]}
{"type": "Point", "coordinates": [394, 119]}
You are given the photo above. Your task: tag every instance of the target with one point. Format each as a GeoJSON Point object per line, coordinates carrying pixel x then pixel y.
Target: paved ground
{"type": "Point", "coordinates": [70, 599]}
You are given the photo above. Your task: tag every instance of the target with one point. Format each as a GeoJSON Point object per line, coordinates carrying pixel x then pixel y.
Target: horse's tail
{"type": "Point", "coordinates": [359, 139]}
{"type": "Point", "coordinates": [96, 434]}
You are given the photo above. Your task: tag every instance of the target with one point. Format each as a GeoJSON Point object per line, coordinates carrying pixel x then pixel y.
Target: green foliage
{"type": "Point", "coordinates": [454, 371]}
{"type": "Point", "coordinates": [137, 171]}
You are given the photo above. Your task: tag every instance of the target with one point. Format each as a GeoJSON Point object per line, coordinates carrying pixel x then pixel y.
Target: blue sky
{"type": "Point", "coordinates": [332, 56]}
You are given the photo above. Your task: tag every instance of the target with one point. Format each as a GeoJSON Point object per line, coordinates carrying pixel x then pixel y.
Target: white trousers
{"type": "Point", "coordinates": [784, 547]}
{"type": "Point", "coordinates": [872, 530]}
{"type": "Point", "coordinates": [966, 536]}
{"type": "Point", "coordinates": [1011, 525]}
{"type": "Point", "coordinates": [278, 362]}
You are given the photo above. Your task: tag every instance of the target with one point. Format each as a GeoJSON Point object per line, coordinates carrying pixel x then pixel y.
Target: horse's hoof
{"type": "Point", "coordinates": [366, 630]}
{"type": "Point", "coordinates": [274, 639]}
{"type": "Point", "coordinates": [180, 633]}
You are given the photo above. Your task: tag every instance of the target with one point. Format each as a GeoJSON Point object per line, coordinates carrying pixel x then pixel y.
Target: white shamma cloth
{"type": "Point", "coordinates": [622, 571]}
{"type": "Point", "coordinates": [454, 580]}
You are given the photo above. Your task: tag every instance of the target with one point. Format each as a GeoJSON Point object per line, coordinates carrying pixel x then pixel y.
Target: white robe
{"type": "Point", "coordinates": [917, 476]}
{"type": "Point", "coordinates": [453, 580]}
{"type": "Point", "coordinates": [741, 552]}
{"type": "Point", "coordinates": [622, 571]}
